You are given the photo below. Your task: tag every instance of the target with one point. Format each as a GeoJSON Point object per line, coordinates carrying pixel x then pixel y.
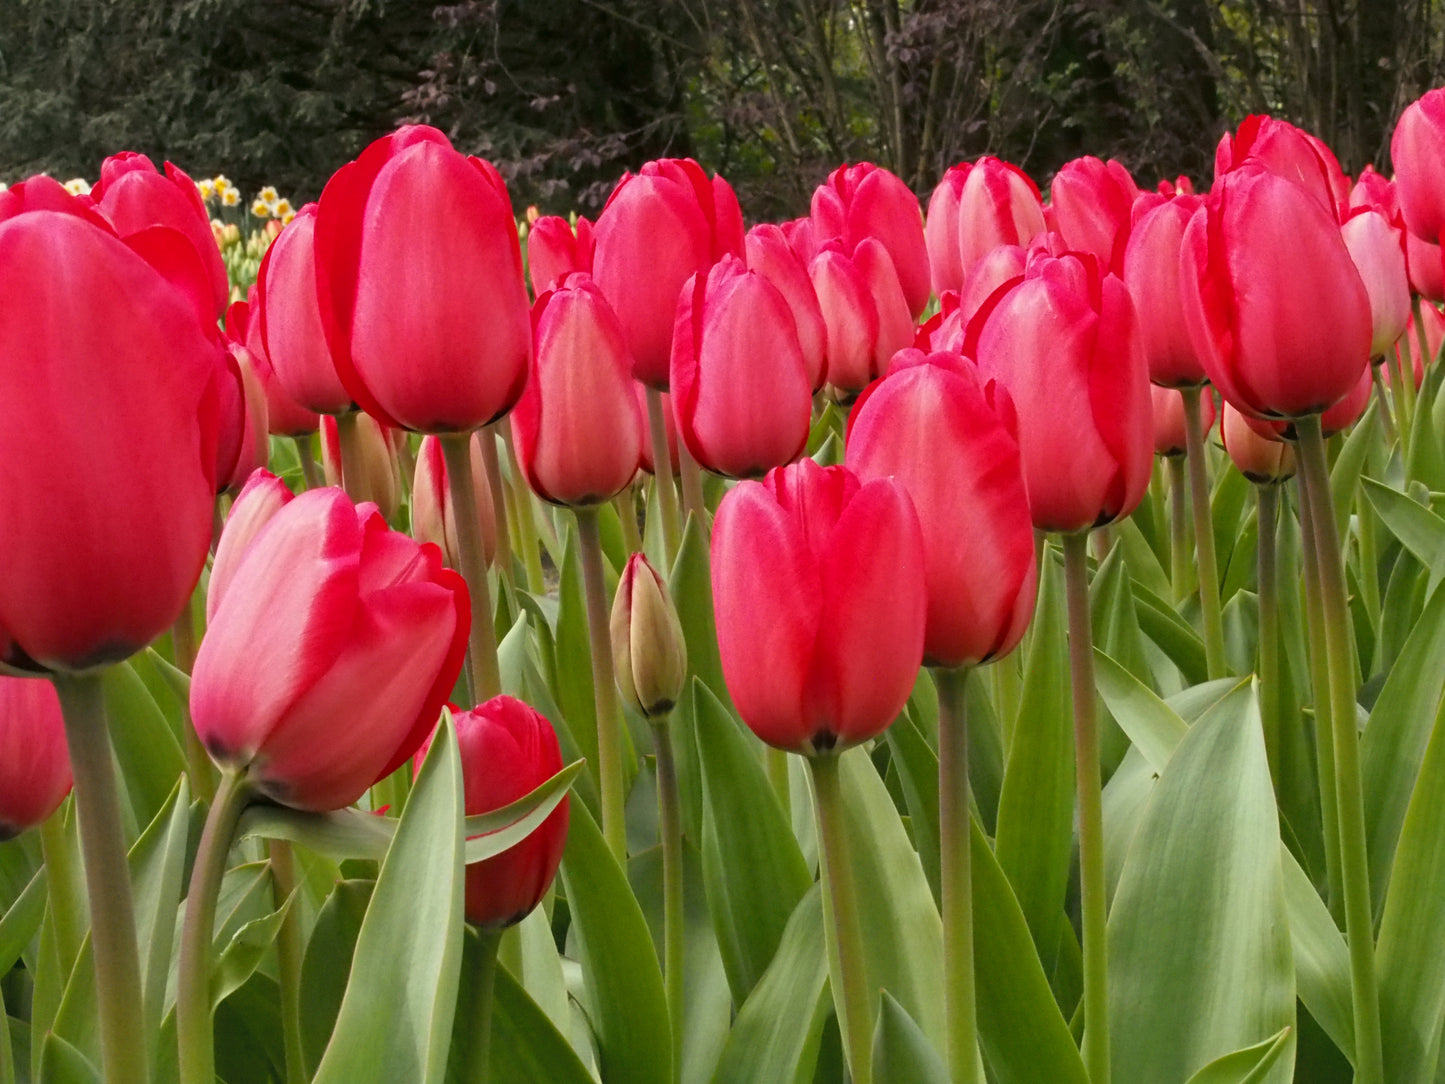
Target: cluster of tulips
{"type": "Point", "coordinates": [881, 426]}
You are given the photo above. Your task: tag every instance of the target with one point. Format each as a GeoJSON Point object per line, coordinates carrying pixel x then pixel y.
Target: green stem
{"type": "Point", "coordinates": [1269, 700]}
{"type": "Point", "coordinates": [1179, 577]}
{"type": "Point", "coordinates": [1407, 385]}
{"type": "Point", "coordinates": [1398, 366]}
{"type": "Point", "coordinates": [288, 957]}
{"type": "Point", "coordinates": [1359, 922]}
{"type": "Point", "coordinates": [200, 772]}
{"type": "Point", "coordinates": [959, 1000]}
{"type": "Point", "coordinates": [626, 505]}
{"type": "Point", "coordinates": [692, 499]}
{"type": "Point", "coordinates": [487, 443]}
{"type": "Point", "coordinates": [1369, 557]}
{"type": "Point", "coordinates": [526, 515]}
{"type": "Point", "coordinates": [609, 711]}
{"type": "Point", "coordinates": [673, 929]}
{"type": "Point", "coordinates": [309, 471]}
{"type": "Point", "coordinates": [60, 884]}
{"type": "Point", "coordinates": [1092, 893]}
{"type": "Point", "coordinates": [1382, 396]}
{"type": "Point", "coordinates": [846, 960]}
{"type": "Point", "coordinates": [486, 680]}
{"type": "Point", "coordinates": [123, 1040]}
{"type": "Point", "coordinates": [479, 1056]}
{"type": "Point", "coordinates": [194, 1036]}
{"type": "Point", "coordinates": [662, 476]}
{"type": "Point", "coordinates": [1203, 534]}
{"type": "Point", "coordinates": [353, 459]}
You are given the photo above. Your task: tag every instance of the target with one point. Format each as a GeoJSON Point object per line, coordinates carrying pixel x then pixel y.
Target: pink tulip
{"type": "Point", "coordinates": [433, 518]}
{"type": "Point", "coordinates": [1419, 157]}
{"type": "Point", "coordinates": [1170, 437]}
{"type": "Point", "coordinates": [34, 763]}
{"type": "Point", "coordinates": [1151, 272]}
{"type": "Point", "coordinates": [554, 251]}
{"type": "Point", "coordinates": [1378, 251]}
{"type": "Point", "coordinates": [770, 255]}
{"type": "Point", "coordinates": [818, 582]}
{"type": "Point", "coordinates": [1288, 152]}
{"type": "Point", "coordinates": [284, 416]}
{"type": "Point", "coordinates": [1092, 202]}
{"type": "Point", "coordinates": [244, 444]}
{"type": "Point", "coordinates": [861, 201]}
{"type": "Point", "coordinates": [864, 312]}
{"type": "Point", "coordinates": [976, 207]}
{"type": "Point", "coordinates": [1259, 457]}
{"type": "Point", "coordinates": [1422, 258]}
{"type": "Point", "coordinates": [260, 499]}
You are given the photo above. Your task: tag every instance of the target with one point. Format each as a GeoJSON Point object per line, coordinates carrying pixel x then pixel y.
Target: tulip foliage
{"type": "Point", "coordinates": [1027, 662]}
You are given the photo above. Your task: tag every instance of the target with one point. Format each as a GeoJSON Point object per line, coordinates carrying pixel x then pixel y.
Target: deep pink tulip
{"type": "Point", "coordinates": [432, 516]}
{"type": "Point", "coordinates": [1426, 268]}
{"type": "Point", "coordinates": [949, 439]}
{"type": "Point", "coordinates": [260, 499]}
{"type": "Point", "coordinates": [1408, 345]}
{"type": "Point", "coordinates": [379, 482]}
{"type": "Point", "coordinates": [1378, 251]}
{"type": "Point", "coordinates": [1151, 272]}
{"type": "Point", "coordinates": [419, 273]}
{"type": "Point", "coordinates": [770, 255]}
{"type": "Point", "coordinates": [333, 647]}
{"type": "Point", "coordinates": [42, 193]}
{"type": "Point", "coordinates": [740, 388]}
{"type": "Point", "coordinates": [1345, 413]}
{"type": "Point", "coordinates": [1268, 341]}
{"type": "Point", "coordinates": [1064, 341]}
{"type": "Point", "coordinates": [111, 388]}
{"type": "Point", "coordinates": [818, 585]}
{"type": "Point", "coordinates": [244, 444]}
{"type": "Point", "coordinates": [864, 312]}
{"type": "Point", "coordinates": [1423, 265]}
{"type": "Point", "coordinates": [661, 226]}
{"type": "Point", "coordinates": [976, 207]}
{"type": "Point", "coordinates": [1167, 404]}
{"type": "Point", "coordinates": [861, 201]}
{"type": "Point", "coordinates": [554, 251]}
{"type": "Point", "coordinates": [34, 763]}
{"type": "Point", "coordinates": [507, 750]}
{"type": "Point", "coordinates": [1417, 150]}
{"type": "Point", "coordinates": [1289, 152]}
{"type": "Point", "coordinates": [1262, 458]}
{"type": "Point", "coordinates": [1092, 201]}
{"type": "Point", "coordinates": [578, 430]}
{"type": "Point", "coordinates": [284, 416]}
{"type": "Point", "coordinates": [1179, 186]}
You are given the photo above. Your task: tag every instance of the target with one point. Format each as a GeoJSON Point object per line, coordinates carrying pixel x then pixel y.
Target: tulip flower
{"type": "Point", "coordinates": [1409, 344]}
{"type": "Point", "coordinates": [433, 518]}
{"type": "Point", "coordinates": [648, 650]}
{"type": "Point", "coordinates": [862, 201]}
{"type": "Point", "coordinates": [554, 251]}
{"type": "Point", "coordinates": [378, 482]}
{"type": "Point", "coordinates": [284, 416]}
{"type": "Point", "coordinates": [1151, 272]}
{"type": "Point", "coordinates": [1289, 152]}
{"type": "Point", "coordinates": [945, 329]}
{"type": "Point", "coordinates": [260, 499]}
{"type": "Point", "coordinates": [818, 582]}
{"type": "Point", "coordinates": [864, 312]}
{"type": "Point", "coordinates": [740, 386]}
{"type": "Point", "coordinates": [1416, 151]}
{"type": "Point", "coordinates": [1092, 201]}
{"type": "Point", "coordinates": [419, 275]}
{"type": "Point", "coordinates": [34, 764]}
{"type": "Point", "coordinates": [1168, 414]}
{"type": "Point", "coordinates": [1379, 254]}
{"type": "Point", "coordinates": [976, 207]}
{"type": "Point", "coordinates": [579, 432]}
{"type": "Point", "coordinates": [948, 438]}
{"type": "Point", "coordinates": [334, 644]}
{"type": "Point", "coordinates": [243, 445]}
{"type": "Point", "coordinates": [770, 255]}
{"type": "Point", "coordinates": [1259, 457]}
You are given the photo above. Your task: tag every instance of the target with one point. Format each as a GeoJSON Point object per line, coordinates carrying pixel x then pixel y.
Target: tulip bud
{"type": "Point", "coordinates": [976, 207]}
{"type": "Point", "coordinates": [1260, 458]}
{"type": "Point", "coordinates": [1092, 202]}
{"type": "Point", "coordinates": [1289, 152]}
{"type": "Point", "coordinates": [432, 517]}
{"type": "Point", "coordinates": [1170, 437]}
{"type": "Point", "coordinates": [260, 498]}
{"type": "Point", "coordinates": [862, 201]}
{"type": "Point", "coordinates": [34, 764]}
{"type": "Point", "coordinates": [554, 251]}
{"type": "Point", "coordinates": [1379, 254]}
{"type": "Point", "coordinates": [648, 649]}
{"type": "Point", "coordinates": [770, 255]}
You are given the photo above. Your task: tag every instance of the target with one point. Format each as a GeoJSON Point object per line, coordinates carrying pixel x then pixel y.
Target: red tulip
{"type": "Point", "coordinates": [244, 445]}
{"type": "Point", "coordinates": [284, 416]}
{"type": "Point", "coordinates": [260, 499]}
{"type": "Point", "coordinates": [419, 273]}
{"type": "Point", "coordinates": [948, 438]}
{"type": "Point", "coordinates": [1064, 342]}
{"type": "Point", "coordinates": [1151, 272]}
{"type": "Point", "coordinates": [976, 207]}
{"type": "Point", "coordinates": [1180, 186]}
{"type": "Point", "coordinates": [42, 193]}
{"type": "Point", "coordinates": [861, 201]}
{"type": "Point", "coordinates": [818, 582]}
{"type": "Point", "coordinates": [740, 388]}
{"type": "Point", "coordinates": [332, 649]}
{"type": "Point", "coordinates": [116, 400]}
{"type": "Point", "coordinates": [432, 516]}
{"type": "Point", "coordinates": [554, 251]}
{"type": "Point", "coordinates": [770, 255]}
{"type": "Point", "coordinates": [661, 226]}
{"type": "Point", "coordinates": [1419, 157]}
{"type": "Point", "coordinates": [1278, 338]}
{"type": "Point", "coordinates": [1425, 267]}
{"type": "Point", "coordinates": [864, 312]}
{"type": "Point", "coordinates": [1092, 201]}
{"type": "Point", "coordinates": [579, 432]}
{"type": "Point", "coordinates": [1170, 437]}
{"type": "Point", "coordinates": [1378, 251]}
{"type": "Point", "coordinates": [1262, 458]}
{"type": "Point", "coordinates": [34, 763]}
{"type": "Point", "coordinates": [508, 750]}
{"type": "Point", "coordinates": [1288, 152]}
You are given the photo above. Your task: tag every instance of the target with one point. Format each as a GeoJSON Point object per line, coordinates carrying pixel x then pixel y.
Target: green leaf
{"type": "Point", "coordinates": [1199, 950]}
{"type": "Point", "coordinates": [1419, 530]}
{"type": "Point", "coordinates": [1426, 462]}
{"type": "Point", "coordinates": [327, 963]}
{"type": "Point", "coordinates": [408, 952]}
{"type": "Point", "coordinates": [61, 1063]}
{"type": "Point", "coordinates": [917, 766]}
{"type": "Point", "coordinates": [1152, 725]}
{"type": "Point", "coordinates": [237, 961]}
{"type": "Point", "coordinates": [1141, 557]}
{"type": "Point", "coordinates": [901, 1052]}
{"type": "Point", "coordinates": [690, 584]}
{"type": "Point", "coordinates": [1171, 633]}
{"type": "Point", "coordinates": [146, 748]}
{"type": "Point", "coordinates": [1348, 465]}
{"type": "Point", "coordinates": [489, 834]}
{"type": "Point", "coordinates": [21, 921]}
{"type": "Point", "coordinates": [1227, 504]}
{"type": "Point", "coordinates": [158, 863]}
{"type": "Point", "coordinates": [512, 654]}
{"type": "Point", "coordinates": [626, 1002]}
{"type": "Point", "coordinates": [572, 681]}
{"type": "Point", "coordinates": [1321, 960]}
{"type": "Point", "coordinates": [1247, 1066]}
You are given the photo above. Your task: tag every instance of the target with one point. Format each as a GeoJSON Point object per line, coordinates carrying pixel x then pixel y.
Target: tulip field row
{"type": "Point", "coordinates": [981, 638]}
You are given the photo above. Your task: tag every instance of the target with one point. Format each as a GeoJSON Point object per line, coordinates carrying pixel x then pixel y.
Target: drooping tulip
{"type": "Point", "coordinates": [554, 251]}
{"type": "Point", "coordinates": [419, 274]}
{"type": "Point", "coordinates": [770, 255]}
{"type": "Point", "coordinates": [1289, 152]}
{"type": "Point", "coordinates": [1092, 201]}
{"type": "Point", "coordinates": [332, 648]}
{"type": "Point", "coordinates": [818, 582]}
{"type": "Point", "coordinates": [949, 439]}
{"type": "Point", "coordinates": [1379, 255]}
{"type": "Point", "coordinates": [1419, 157]}
{"type": "Point", "coordinates": [34, 764]}
{"type": "Point", "coordinates": [648, 649]}
{"type": "Point", "coordinates": [864, 312]}
{"type": "Point", "coordinates": [863, 200]}
{"type": "Point", "coordinates": [1168, 412]}
{"type": "Point", "coordinates": [1151, 272]}
{"type": "Point", "coordinates": [976, 207]}
{"type": "Point", "coordinates": [432, 516]}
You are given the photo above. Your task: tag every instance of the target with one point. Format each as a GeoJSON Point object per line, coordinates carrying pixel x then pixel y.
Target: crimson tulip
{"type": "Point", "coordinates": [507, 750]}
{"type": "Point", "coordinates": [1378, 251]}
{"type": "Point", "coordinates": [770, 255]}
{"type": "Point", "coordinates": [1289, 152]}
{"type": "Point", "coordinates": [578, 429]}
{"type": "Point", "coordinates": [862, 201]}
{"type": "Point", "coordinates": [1092, 201]}
{"type": "Point", "coordinates": [1168, 413]}
{"type": "Point", "coordinates": [864, 312]}
{"type": "Point", "coordinates": [949, 439]}
{"type": "Point", "coordinates": [433, 518]}
{"type": "Point", "coordinates": [34, 763]}
{"type": "Point", "coordinates": [976, 207]}
{"type": "Point", "coordinates": [1151, 272]}
{"type": "Point", "coordinates": [332, 648]}
{"type": "Point", "coordinates": [818, 585]}
{"type": "Point", "coordinates": [1419, 158]}
{"type": "Point", "coordinates": [740, 387]}
{"type": "Point", "coordinates": [554, 251]}
{"type": "Point", "coordinates": [419, 275]}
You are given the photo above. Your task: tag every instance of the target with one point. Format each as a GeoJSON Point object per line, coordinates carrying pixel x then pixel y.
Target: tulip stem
{"type": "Point", "coordinates": [456, 451]}
{"type": "Point", "coordinates": [288, 957]}
{"type": "Point", "coordinates": [692, 499]}
{"type": "Point", "coordinates": [60, 886]}
{"type": "Point", "coordinates": [609, 711]}
{"type": "Point", "coordinates": [1383, 398]}
{"type": "Point", "coordinates": [1427, 358]}
{"type": "Point", "coordinates": [307, 459]}
{"type": "Point", "coordinates": [954, 832]}
{"type": "Point", "coordinates": [626, 505]}
{"type": "Point", "coordinates": [124, 1055]}
{"type": "Point", "coordinates": [1398, 366]}
{"type": "Point", "coordinates": [1178, 529]}
{"type": "Point", "coordinates": [1349, 793]}
{"type": "Point", "coordinates": [1203, 534]}
{"type": "Point", "coordinates": [479, 1057]}
{"type": "Point", "coordinates": [194, 1036]}
{"type": "Point", "coordinates": [843, 933]}
{"type": "Point", "coordinates": [526, 515]}
{"type": "Point", "coordinates": [200, 772]}
{"type": "Point", "coordinates": [670, 820]}
{"type": "Point", "coordinates": [662, 476]}
{"type": "Point", "coordinates": [1267, 499]}
{"type": "Point", "coordinates": [353, 457]}
{"type": "Point", "coordinates": [1093, 899]}
{"type": "Point", "coordinates": [487, 442]}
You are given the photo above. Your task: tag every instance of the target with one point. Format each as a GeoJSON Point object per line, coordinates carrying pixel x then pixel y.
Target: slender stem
{"type": "Point", "coordinates": [1179, 577]}
{"type": "Point", "coordinates": [1093, 899]}
{"type": "Point", "coordinates": [288, 957]}
{"type": "Point", "coordinates": [405, 464]}
{"type": "Point", "coordinates": [1398, 362]}
{"type": "Point", "coordinates": [954, 832]}
{"type": "Point", "coordinates": [626, 505]}
{"type": "Point", "coordinates": [200, 772]}
{"type": "Point", "coordinates": [123, 1042]}
{"type": "Point", "coordinates": [309, 470]}
{"type": "Point", "coordinates": [479, 1057]}
{"type": "Point", "coordinates": [609, 711]}
{"type": "Point", "coordinates": [1269, 700]}
{"type": "Point", "coordinates": [1382, 396]}
{"type": "Point", "coordinates": [692, 499]}
{"type": "Point", "coordinates": [60, 884]}
{"type": "Point", "coordinates": [487, 442]}
{"type": "Point", "coordinates": [353, 458]}
{"type": "Point", "coordinates": [775, 764]}
{"type": "Point", "coordinates": [846, 959]}
{"type": "Point", "coordinates": [193, 985]}
{"type": "Point", "coordinates": [526, 514]}
{"type": "Point", "coordinates": [670, 819]}
{"type": "Point", "coordinates": [482, 645]}
{"type": "Point", "coordinates": [662, 473]}
{"type": "Point", "coordinates": [1426, 358]}
{"type": "Point", "coordinates": [1203, 534]}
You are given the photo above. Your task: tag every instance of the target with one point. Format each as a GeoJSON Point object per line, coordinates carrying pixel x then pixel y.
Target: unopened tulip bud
{"type": "Point", "coordinates": [648, 649]}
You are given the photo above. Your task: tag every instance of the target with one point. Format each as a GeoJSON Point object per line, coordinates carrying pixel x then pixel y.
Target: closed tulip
{"type": "Point", "coordinates": [419, 273]}
{"type": "Point", "coordinates": [948, 438]}
{"type": "Point", "coordinates": [116, 400]}
{"type": "Point", "coordinates": [432, 517]}
{"type": "Point", "coordinates": [864, 312]}
{"type": "Point", "coordinates": [976, 207]}
{"type": "Point", "coordinates": [1378, 251]}
{"type": "Point", "coordinates": [333, 646]}
{"type": "Point", "coordinates": [648, 649]}
{"type": "Point", "coordinates": [379, 482]}
{"type": "Point", "coordinates": [578, 429]}
{"type": "Point", "coordinates": [1168, 413]}
{"type": "Point", "coordinates": [1422, 258]}
{"type": "Point", "coordinates": [260, 499]}
{"type": "Point", "coordinates": [861, 201]}
{"type": "Point", "coordinates": [284, 416]}
{"type": "Point", "coordinates": [1151, 272]}
{"type": "Point", "coordinates": [1418, 154]}
{"type": "Point", "coordinates": [554, 251]}
{"type": "Point", "coordinates": [818, 584]}
{"type": "Point", "coordinates": [1092, 201]}
{"type": "Point", "coordinates": [243, 444]}
{"type": "Point", "coordinates": [1262, 458]}
{"type": "Point", "coordinates": [1266, 339]}
{"type": "Point", "coordinates": [34, 764]}
{"type": "Point", "coordinates": [507, 750]}
{"type": "Point", "coordinates": [740, 388]}
{"type": "Point", "coordinates": [1289, 152]}
{"type": "Point", "coordinates": [770, 255]}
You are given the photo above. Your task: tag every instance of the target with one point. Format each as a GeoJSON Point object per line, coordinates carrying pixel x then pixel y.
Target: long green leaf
{"type": "Point", "coordinates": [21, 921]}
{"type": "Point", "coordinates": [1247, 1066]}
{"type": "Point", "coordinates": [901, 1052]}
{"type": "Point", "coordinates": [1321, 960]}
{"type": "Point", "coordinates": [1419, 530]}
{"type": "Point", "coordinates": [1348, 465]}
{"type": "Point", "coordinates": [327, 965]}
{"type": "Point", "coordinates": [146, 748]}
{"type": "Point", "coordinates": [1152, 725]}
